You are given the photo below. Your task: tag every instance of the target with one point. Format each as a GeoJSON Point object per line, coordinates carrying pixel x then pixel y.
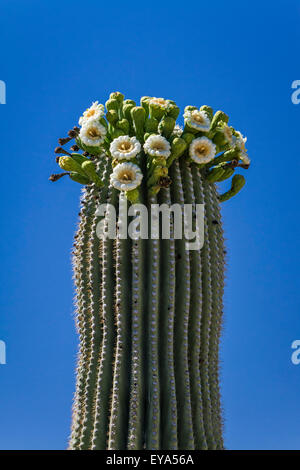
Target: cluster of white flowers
{"type": "Point", "coordinates": [197, 120]}
{"type": "Point", "coordinates": [157, 146]}
{"type": "Point", "coordinates": [125, 147]}
{"type": "Point", "coordinates": [126, 176]}
{"type": "Point", "coordinates": [202, 150]}
{"type": "Point", "coordinates": [92, 133]}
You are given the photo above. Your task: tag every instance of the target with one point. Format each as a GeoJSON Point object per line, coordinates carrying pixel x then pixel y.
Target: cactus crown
{"type": "Point", "coordinates": [143, 142]}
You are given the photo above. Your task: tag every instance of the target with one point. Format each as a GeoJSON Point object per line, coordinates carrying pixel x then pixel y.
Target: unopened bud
{"type": "Point", "coordinates": [237, 183]}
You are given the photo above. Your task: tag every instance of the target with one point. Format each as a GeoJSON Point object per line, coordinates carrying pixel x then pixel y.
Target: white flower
{"type": "Point", "coordinates": [197, 120]}
{"type": "Point", "coordinates": [202, 150]}
{"type": "Point", "coordinates": [161, 102]}
{"type": "Point", "coordinates": [244, 157]}
{"type": "Point", "coordinates": [92, 133]}
{"type": "Point", "coordinates": [177, 130]}
{"type": "Point", "coordinates": [227, 131]}
{"type": "Point", "coordinates": [95, 112]}
{"type": "Point", "coordinates": [126, 176]}
{"type": "Point", "coordinates": [125, 147]}
{"type": "Point", "coordinates": [157, 146]}
{"type": "Point", "coordinates": [240, 141]}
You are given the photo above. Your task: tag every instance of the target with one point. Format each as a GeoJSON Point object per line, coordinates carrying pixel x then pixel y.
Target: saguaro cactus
{"type": "Point", "coordinates": [148, 310]}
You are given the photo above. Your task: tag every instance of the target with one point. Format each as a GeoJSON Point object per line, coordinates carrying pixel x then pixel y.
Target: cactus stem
{"type": "Point", "coordinates": [153, 385]}
{"type": "Point", "coordinates": [167, 317]}
{"type": "Point", "coordinates": [182, 306]}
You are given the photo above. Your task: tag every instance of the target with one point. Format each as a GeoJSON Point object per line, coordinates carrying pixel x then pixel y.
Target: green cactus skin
{"type": "Point", "coordinates": [149, 317]}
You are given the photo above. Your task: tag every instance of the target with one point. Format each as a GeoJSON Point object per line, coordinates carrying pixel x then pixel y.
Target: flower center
{"type": "Point", "coordinates": [202, 150]}
{"type": "Point", "coordinates": [158, 146]}
{"type": "Point", "coordinates": [126, 177]}
{"type": "Point", "coordinates": [159, 101]}
{"type": "Point", "coordinates": [90, 112]}
{"type": "Point", "coordinates": [125, 147]}
{"type": "Point", "coordinates": [198, 117]}
{"type": "Point", "coordinates": [93, 132]}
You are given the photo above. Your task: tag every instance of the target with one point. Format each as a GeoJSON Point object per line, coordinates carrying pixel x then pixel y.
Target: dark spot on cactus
{"type": "Point", "coordinates": [178, 257]}
{"type": "Point", "coordinates": [215, 222]}
{"type": "Point", "coordinates": [164, 181]}
{"type": "Point", "coordinates": [86, 154]}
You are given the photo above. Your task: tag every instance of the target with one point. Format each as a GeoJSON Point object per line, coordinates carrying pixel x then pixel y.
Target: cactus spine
{"type": "Point", "coordinates": [149, 311]}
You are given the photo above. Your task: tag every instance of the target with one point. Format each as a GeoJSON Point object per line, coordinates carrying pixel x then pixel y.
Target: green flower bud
{"type": "Point", "coordinates": [112, 116]}
{"type": "Point", "coordinates": [156, 111]}
{"type": "Point", "coordinates": [178, 147]}
{"type": "Point", "coordinates": [144, 101]}
{"type": "Point", "coordinates": [208, 110]}
{"type": "Point", "coordinates": [227, 156]}
{"type": "Point", "coordinates": [68, 164]}
{"type": "Point", "coordinates": [79, 158]}
{"type": "Point", "coordinates": [155, 161]}
{"type": "Point", "coordinates": [127, 110]}
{"type": "Point", "coordinates": [138, 115]}
{"type": "Point", "coordinates": [133, 196]}
{"type": "Point", "coordinates": [214, 174]}
{"type": "Point", "coordinates": [228, 172]}
{"type": "Point", "coordinates": [117, 96]}
{"type": "Point", "coordinates": [188, 137]}
{"type": "Point", "coordinates": [90, 170]}
{"type": "Point", "coordinates": [219, 138]}
{"type": "Point", "coordinates": [112, 104]}
{"type": "Point", "coordinates": [218, 117]}
{"type": "Point", "coordinates": [157, 173]}
{"type": "Point", "coordinates": [116, 133]}
{"type": "Point", "coordinates": [166, 126]}
{"type": "Point", "coordinates": [130, 102]}
{"type": "Point", "coordinates": [79, 178]}
{"type": "Point", "coordinates": [238, 181]}
{"type": "Point", "coordinates": [173, 111]}
{"type": "Point", "coordinates": [123, 124]}
{"type": "Point", "coordinates": [151, 126]}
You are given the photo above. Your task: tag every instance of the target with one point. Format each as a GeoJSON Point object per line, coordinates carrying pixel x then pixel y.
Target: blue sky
{"type": "Point", "coordinates": [56, 57]}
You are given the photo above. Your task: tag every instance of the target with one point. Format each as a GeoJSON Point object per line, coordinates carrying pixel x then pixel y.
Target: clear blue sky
{"type": "Point", "coordinates": [56, 57]}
